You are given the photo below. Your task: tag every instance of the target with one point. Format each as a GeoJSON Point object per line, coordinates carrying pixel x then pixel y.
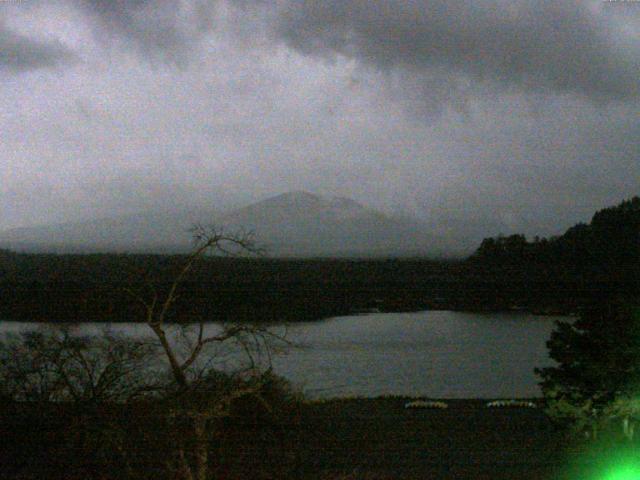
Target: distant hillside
{"type": "Point", "coordinates": [298, 224]}
{"type": "Point", "coordinates": [159, 232]}
{"type": "Point", "coordinates": [609, 243]}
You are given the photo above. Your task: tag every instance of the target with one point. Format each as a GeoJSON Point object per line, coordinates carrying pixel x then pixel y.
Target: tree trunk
{"type": "Point", "coordinates": [184, 470]}
{"type": "Point", "coordinates": [201, 448]}
{"type": "Point", "coordinates": [178, 373]}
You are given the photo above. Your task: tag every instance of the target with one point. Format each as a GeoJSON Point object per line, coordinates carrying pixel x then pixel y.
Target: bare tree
{"type": "Point", "coordinates": [87, 379]}
{"type": "Point", "coordinates": [186, 399]}
{"type": "Point", "coordinates": [202, 393]}
{"type": "Point", "coordinates": [54, 364]}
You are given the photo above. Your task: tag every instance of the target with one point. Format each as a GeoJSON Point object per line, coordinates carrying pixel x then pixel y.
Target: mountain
{"type": "Point", "coordinates": [299, 224]}
{"type": "Point", "coordinates": [304, 224]}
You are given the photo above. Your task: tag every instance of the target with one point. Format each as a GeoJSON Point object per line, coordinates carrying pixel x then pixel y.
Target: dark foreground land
{"type": "Point", "coordinates": [335, 439]}
{"type": "Point", "coordinates": [381, 439]}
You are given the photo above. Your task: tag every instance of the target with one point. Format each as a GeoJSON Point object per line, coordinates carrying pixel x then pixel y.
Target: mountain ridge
{"type": "Point", "coordinates": [291, 224]}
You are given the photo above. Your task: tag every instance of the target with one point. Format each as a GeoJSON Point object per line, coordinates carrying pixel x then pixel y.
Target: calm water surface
{"type": "Point", "coordinates": [440, 354]}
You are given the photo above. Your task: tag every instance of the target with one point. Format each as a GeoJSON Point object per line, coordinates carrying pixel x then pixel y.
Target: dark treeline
{"type": "Point", "coordinates": [609, 245]}
{"type": "Point", "coordinates": [588, 263]}
{"type": "Point", "coordinates": [98, 287]}
{"type": "Point", "coordinates": [555, 275]}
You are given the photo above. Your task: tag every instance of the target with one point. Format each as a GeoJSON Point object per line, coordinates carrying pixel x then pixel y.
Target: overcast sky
{"type": "Point", "coordinates": [525, 112]}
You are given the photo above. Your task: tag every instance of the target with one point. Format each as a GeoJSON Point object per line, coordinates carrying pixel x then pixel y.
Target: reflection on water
{"type": "Point", "coordinates": [439, 354]}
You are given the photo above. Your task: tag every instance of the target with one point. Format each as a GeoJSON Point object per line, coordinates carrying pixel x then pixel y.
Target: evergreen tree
{"type": "Point", "coordinates": [598, 363]}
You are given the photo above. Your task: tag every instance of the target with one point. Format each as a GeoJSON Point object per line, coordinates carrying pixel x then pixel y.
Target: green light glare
{"type": "Point", "coordinates": [604, 461]}
{"type": "Point", "coordinates": [626, 471]}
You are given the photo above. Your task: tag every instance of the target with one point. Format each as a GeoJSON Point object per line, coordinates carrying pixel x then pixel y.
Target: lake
{"type": "Point", "coordinates": [441, 354]}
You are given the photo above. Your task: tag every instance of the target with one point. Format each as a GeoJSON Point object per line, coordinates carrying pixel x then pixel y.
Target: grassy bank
{"type": "Point", "coordinates": [379, 438]}
{"type": "Point", "coordinates": [335, 439]}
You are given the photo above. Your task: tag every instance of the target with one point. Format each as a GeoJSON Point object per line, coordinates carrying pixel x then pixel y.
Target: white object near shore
{"type": "Point", "coordinates": [425, 404]}
{"type": "Point", "coordinates": [511, 403]}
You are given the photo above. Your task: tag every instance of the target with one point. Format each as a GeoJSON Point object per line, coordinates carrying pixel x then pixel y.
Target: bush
{"type": "Point", "coordinates": [56, 365]}
{"type": "Point", "coordinates": [598, 370]}
{"type": "Point", "coordinates": [75, 405]}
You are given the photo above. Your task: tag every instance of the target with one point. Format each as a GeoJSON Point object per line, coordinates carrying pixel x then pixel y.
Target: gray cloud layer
{"type": "Point", "coordinates": [533, 45]}
{"type": "Point", "coordinates": [518, 115]}
{"type": "Point", "coordinates": [20, 53]}
{"type": "Point", "coordinates": [163, 29]}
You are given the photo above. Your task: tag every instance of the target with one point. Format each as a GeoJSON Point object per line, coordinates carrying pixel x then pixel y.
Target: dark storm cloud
{"type": "Point", "coordinates": [532, 45]}
{"type": "Point", "coordinates": [20, 53]}
{"type": "Point", "coordinates": [447, 49]}
{"type": "Point", "coordinates": [163, 29]}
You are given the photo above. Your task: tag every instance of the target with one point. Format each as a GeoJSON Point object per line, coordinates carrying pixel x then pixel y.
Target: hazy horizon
{"type": "Point", "coordinates": [520, 115]}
